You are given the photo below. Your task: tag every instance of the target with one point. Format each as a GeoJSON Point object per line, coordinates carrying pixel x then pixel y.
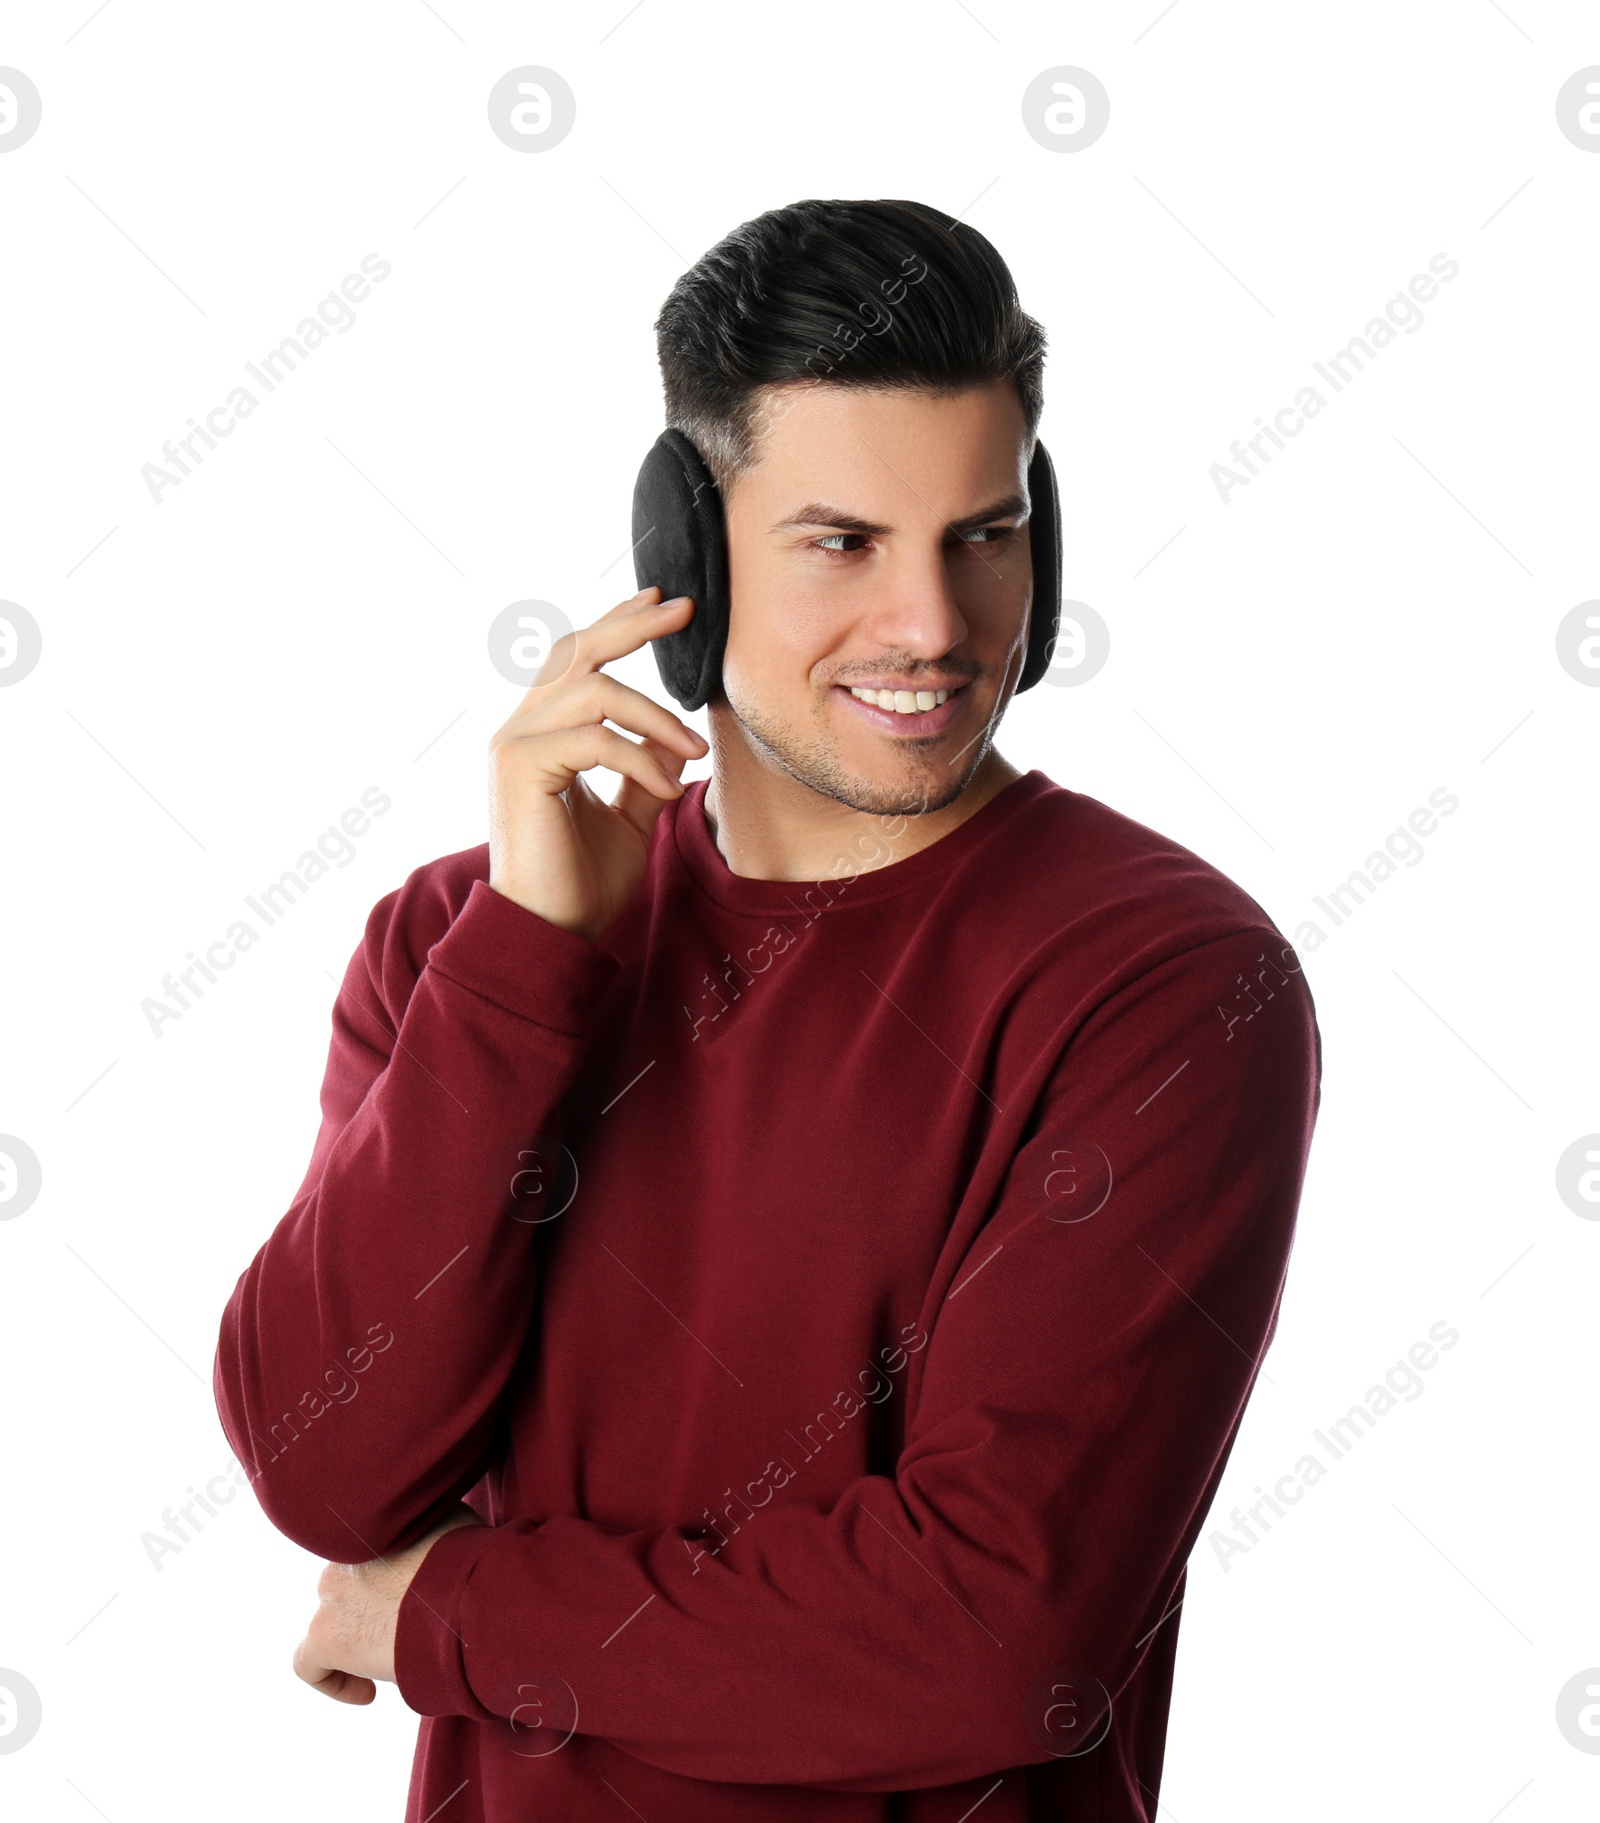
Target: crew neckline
{"type": "Point", "coordinates": [702, 859]}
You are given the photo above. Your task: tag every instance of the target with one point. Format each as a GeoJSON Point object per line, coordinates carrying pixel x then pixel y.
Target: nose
{"type": "Point", "coordinates": [915, 607]}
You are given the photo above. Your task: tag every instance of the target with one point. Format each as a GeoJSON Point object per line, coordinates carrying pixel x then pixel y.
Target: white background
{"type": "Point", "coordinates": [1372, 617]}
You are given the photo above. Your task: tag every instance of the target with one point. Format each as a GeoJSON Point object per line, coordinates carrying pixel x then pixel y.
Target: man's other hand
{"type": "Point", "coordinates": [350, 1642]}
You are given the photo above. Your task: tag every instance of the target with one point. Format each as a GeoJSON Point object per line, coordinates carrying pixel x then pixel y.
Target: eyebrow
{"type": "Point", "coordinates": [819, 512]}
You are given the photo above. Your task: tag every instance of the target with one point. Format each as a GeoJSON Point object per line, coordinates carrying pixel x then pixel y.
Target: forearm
{"type": "Point", "coordinates": [900, 1634]}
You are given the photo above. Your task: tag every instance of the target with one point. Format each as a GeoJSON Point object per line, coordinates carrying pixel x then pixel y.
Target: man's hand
{"type": "Point", "coordinates": [350, 1641]}
{"type": "Point", "coordinates": [555, 846]}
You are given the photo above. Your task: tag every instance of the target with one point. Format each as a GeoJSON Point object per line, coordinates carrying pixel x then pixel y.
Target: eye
{"type": "Point", "coordinates": [828, 545]}
{"type": "Point", "coordinates": [832, 545]}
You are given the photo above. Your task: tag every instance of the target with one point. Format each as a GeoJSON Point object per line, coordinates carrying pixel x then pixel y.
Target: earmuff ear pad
{"type": "Point", "coordinates": [1044, 538]}
{"type": "Point", "coordinates": [680, 543]}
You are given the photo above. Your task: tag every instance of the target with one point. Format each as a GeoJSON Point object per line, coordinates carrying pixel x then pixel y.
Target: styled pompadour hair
{"type": "Point", "coordinates": [838, 293]}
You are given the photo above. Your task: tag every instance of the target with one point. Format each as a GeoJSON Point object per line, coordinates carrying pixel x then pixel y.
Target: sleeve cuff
{"type": "Point", "coordinates": [430, 1668]}
{"type": "Point", "coordinates": [523, 962]}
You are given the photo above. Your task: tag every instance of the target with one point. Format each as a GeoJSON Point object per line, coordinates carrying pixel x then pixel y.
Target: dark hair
{"type": "Point", "coordinates": [840, 293]}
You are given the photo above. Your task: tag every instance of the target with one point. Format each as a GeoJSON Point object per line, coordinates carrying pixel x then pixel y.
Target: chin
{"type": "Point", "coordinates": [905, 784]}
{"type": "Point", "coordinates": [873, 776]}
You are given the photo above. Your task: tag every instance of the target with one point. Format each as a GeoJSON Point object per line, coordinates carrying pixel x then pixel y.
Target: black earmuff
{"type": "Point", "coordinates": [680, 542]}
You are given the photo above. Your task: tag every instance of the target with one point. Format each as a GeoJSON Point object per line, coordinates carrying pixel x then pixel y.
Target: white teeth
{"type": "Point", "coordinates": [902, 702]}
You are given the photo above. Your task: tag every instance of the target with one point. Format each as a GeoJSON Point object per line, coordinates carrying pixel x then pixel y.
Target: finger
{"type": "Point", "coordinates": [642, 808]}
{"type": "Point", "coordinates": [346, 1687]}
{"type": "Point", "coordinates": [619, 631]}
{"type": "Point", "coordinates": [563, 753]}
{"type": "Point", "coordinates": [650, 588]}
{"type": "Point", "coordinates": [342, 1686]}
{"type": "Point", "coordinates": [606, 699]}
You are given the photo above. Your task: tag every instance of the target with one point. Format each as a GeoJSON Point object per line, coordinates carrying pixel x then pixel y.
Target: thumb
{"type": "Point", "coordinates": [343, 1686]}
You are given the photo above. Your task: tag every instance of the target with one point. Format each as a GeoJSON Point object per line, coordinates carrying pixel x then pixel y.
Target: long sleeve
{"type": "Point", "coordinates": [363, 1353]}
{"type": "Point", "coordinates": [1090, 1349]}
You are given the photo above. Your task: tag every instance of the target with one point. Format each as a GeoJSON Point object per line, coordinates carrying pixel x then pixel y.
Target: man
{"type": "Point", "coordinates": [784, 1261]}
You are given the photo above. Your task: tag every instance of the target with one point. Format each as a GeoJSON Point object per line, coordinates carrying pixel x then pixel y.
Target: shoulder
{"type": "Point", "coordinates": [1114, 896]}
{"type": "Point", "coordinates": [1140, 953]}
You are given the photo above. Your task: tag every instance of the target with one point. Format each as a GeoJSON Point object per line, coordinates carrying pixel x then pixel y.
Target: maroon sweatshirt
{"type": "Point", "coordinates": [839, 1300]}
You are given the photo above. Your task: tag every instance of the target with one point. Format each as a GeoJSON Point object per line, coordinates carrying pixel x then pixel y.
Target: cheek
{"type": "Point", "coordinates": [994, 603]}
{"type": "Point", "coordinates": [781, 626]}
{"type": "Point", "coordinates": [998, 585]}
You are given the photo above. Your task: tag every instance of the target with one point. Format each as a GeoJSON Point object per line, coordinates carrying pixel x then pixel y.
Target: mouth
{"type": "Point", "coordinates": [907, 723]}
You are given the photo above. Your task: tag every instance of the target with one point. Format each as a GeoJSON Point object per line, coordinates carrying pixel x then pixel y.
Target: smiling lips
{"type": "Point", "coordinates": [913, 711]}
{"type": "Point", "coordinates": [903, 702]}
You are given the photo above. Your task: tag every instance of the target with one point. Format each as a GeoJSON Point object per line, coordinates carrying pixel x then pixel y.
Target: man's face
{"type": "Point", "coordinates": [879, 541]}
